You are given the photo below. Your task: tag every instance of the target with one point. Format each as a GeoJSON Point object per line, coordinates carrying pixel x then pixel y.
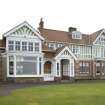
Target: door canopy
{"type": "Point", "coordinates": [65, 53]}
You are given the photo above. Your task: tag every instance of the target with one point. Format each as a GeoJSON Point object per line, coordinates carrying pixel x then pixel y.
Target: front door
{"type": "Point", "coordinates": [47, 71]}
{"type": "Point", "coordinates": [47, 67]}
{"type": "Point", "coordinates": [65, 69]}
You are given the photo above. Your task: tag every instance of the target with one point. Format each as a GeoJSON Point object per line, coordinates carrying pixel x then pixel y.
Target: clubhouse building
{"type": "Point", "coordinates": [37, 55]}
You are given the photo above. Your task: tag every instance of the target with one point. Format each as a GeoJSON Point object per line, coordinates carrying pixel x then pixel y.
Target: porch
{"type": "Point", "coordinates": [61, 66]}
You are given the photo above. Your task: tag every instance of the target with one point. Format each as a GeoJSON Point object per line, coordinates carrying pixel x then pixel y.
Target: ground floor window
{"type": "Point", "coordinates": [84, 67]}
{"type": "Point", "coordinates": [11, 65]}
{"type": "Point", "coordinates": [57, 68]}
{"type": "Point", "coordinates": [26, 65]}
{"type": "Point", "coordinates": [98, 67]}
{"type": "Point", "coordinates": [40, 65]}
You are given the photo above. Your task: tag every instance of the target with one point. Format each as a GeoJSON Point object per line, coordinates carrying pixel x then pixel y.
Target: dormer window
{"type": "Point", "coordinates": [76, 35]}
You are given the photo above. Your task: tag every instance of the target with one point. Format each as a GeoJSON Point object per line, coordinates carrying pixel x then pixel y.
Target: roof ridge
{"type": "Point", "coordinates": [96, 31]}
{"type": "Point", "coordinates": [54, 30]}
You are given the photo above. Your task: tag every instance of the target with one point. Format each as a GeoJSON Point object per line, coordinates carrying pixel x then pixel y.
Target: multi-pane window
{"type": "Point", "coordinates": [10, 45]}
{"type": "Point", "coordinates": [11, 65]}
{"type": "Point", "coordinates": [17, 45]}
{"type": "Point", "coordinates": [30, 46]}
{"type": "Point", "coordinates": [26, 65]}
{"type": "Point", "coordinates": [24, 46]}
{"type": "Point", "coordinates": [75, 49]}
{"type": "Point", "coordinates": [76, 35]}
{"type": "Point", "coordinates": [37, 47]}
{"type": "Point", "coordinates": [84, 67]}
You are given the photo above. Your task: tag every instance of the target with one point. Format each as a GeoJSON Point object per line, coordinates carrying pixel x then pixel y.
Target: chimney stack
{"type": "Point", "coordinates": [41, 24]}
{"type": "Point", "coordinates": [71, 29]}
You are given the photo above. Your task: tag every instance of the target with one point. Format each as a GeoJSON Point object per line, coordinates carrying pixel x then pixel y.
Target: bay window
{"type": "Point", "coordinates": [26, 65]}
{"type": "Point", "coordinates": [11, 65]}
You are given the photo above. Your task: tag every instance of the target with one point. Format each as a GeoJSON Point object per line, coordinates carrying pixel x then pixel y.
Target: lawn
{"type": "Point", "coordinates": [61, 94]}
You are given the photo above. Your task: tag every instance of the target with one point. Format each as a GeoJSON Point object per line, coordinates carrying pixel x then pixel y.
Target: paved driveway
{"type": "Point", "coordinates": [6, 88]}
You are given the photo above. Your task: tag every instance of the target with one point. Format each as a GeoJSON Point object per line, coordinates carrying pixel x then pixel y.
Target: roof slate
{"type": "Point", "coordinates": [62, 36]}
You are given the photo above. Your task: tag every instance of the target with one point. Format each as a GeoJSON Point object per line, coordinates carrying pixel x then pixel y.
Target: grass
{"type": "Point", "coordinates": [62, 94]}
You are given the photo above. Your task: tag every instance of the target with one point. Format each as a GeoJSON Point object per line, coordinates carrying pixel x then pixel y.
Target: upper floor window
{"type": "Point", "coordinates": [60, 45]}
{"type": "Point", "coordinates": [76, 35]}
{"type": "Point", "coordinates": [51, 45]}
{"type": "Point", "coordinates": [75, 49]}
{"type": "Point", "coordinates": [17, 45]}
{"type": "Point", "coordinates": [30, 46]}
{"type": "Point", "coordinates": [10, 45]}
{"type": "Point", "coordinates": [24, 46]}
{"type": "Point", "coordinates": [37, 47]}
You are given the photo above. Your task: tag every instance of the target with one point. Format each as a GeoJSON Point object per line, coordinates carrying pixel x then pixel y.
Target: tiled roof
{"type": "Point", "coordinates": [94, 35]}
{"type": "Point", "coordinates": [59, 50]}
{"type": "Point", "coordinates": [62, 36]}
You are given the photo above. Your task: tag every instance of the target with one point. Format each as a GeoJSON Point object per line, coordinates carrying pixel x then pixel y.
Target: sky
{"type": "Point", "coordinates": [87, 16]}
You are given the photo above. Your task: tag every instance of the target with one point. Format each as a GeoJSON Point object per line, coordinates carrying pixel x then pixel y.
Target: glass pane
{"type": "Point", "coordinates": [26, 68]}
{"type": "Point", "coordinates": [11, 65]}
{"type": "Point", "coordinates": [17, 45]}
{"type": "Point", "coordinates": [26, 65]}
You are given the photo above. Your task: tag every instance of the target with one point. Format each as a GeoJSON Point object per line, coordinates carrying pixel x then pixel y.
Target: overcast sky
{"type": "Point", "coordinates": [87, 15]}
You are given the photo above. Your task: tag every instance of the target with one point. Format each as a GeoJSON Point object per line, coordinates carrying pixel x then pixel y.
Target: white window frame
{"type": "Point", "coordinates": [24, 45]}
{"type": "Point", "coordinates": [30, 46]}
{"type": "Point", "coordinates": [52, 45]}
{"type": "Point", "coordinates": [17, 45]}
{"type": "Point", "coordinates": [37, 46]}
{"type": "Point", "coordinates": [75, 35]}
{"type": "Point", "coordinates": [30, 75]}
{"type": "Point", "coordinates": [10, 45]}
